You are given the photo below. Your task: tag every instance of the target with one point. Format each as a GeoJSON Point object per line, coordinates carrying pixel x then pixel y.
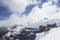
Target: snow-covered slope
{"type": "Point", "coordinates": [53, 34]}
{"type": "Point", "coordinates": [44, 35]}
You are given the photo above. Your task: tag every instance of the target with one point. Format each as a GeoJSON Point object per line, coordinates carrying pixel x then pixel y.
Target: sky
{"type": "Point", "coordinates": [4, 12]}
{"type": "Point", "coordinates": [28, 11]}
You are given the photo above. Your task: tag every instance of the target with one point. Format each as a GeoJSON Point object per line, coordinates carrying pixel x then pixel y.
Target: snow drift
{"type": "Point", "coordinates": [54, 34]}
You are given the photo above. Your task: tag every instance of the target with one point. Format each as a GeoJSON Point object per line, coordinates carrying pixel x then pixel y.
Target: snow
{"type": "Point", "coordinates": [44, 23]}
{"type": "Point", "coordinates": [54, 34]}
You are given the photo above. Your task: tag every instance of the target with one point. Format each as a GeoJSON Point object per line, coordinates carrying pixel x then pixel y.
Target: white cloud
{"type": "Point", "coordinates": [14, 19]}
{"type": "Point", "coordinates": [17, 7]}
{"type": "Point", "coordinates": [48, 10]}
{"type": "Point", "coordinates": [53, 1]}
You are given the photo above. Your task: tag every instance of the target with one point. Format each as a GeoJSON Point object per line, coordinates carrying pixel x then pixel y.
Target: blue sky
{"type": "Point", "coordinates": [58, 4]}
{"type": "Point", "coordinates": [28, 9]}
{"type": "Point", "coordinates": [4, 11]}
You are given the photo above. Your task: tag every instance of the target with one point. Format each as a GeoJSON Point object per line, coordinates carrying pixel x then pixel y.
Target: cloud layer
{"type": "Point", "coordinates": [17, 7]}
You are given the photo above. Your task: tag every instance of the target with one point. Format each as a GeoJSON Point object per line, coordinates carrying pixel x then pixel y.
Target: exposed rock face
{"type": "Point", "coordinates": [3, 30]}
{"type": "Point", "coordinates": [16, 33]}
